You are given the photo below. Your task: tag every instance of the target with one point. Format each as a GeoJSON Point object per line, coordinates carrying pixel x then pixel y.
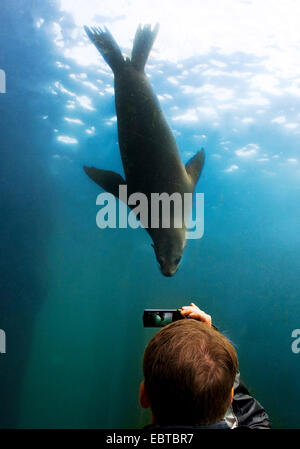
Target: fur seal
{"type": "Point", "coordinates": [149, 152]}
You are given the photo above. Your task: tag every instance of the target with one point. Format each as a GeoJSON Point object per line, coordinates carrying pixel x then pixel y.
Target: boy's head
{"type": "Point", "coordinates": [189, 371]}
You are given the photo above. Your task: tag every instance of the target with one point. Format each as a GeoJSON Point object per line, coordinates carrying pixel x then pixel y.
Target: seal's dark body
{"type": "Point", "coordinates": [148, 149]}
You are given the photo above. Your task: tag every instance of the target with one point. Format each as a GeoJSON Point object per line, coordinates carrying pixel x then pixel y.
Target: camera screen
{"type": "Point", "coordinates": [160, 318]}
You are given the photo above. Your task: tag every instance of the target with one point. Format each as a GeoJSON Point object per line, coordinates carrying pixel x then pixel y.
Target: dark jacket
{"type": "Point", "coordinates": [244, 412]}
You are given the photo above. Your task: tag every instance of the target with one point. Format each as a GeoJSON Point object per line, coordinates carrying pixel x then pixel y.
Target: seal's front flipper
{"type": "Point", "coordinates": [194, 166]}
{"type": "Point", "coordinates": [142, 45]}
{"type": "Point", "coordinates": [106, 179]}
{"type": "Point", "coordinates": [107, 46]}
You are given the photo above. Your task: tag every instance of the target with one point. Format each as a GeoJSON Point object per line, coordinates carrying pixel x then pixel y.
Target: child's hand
{"type": "Point", "coordinates": [193, 311]}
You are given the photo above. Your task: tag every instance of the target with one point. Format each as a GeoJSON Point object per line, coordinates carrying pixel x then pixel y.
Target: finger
{"type": "Point", "coordinates": [185, 311]}
{"type": "Point", "coordinates": [186, 308]}
{"type": "Point", "coordinates": [202, 316]}
{"type": "Point", "coordinates": [207, 319]}
{"type": "Point", "coordinates": [199, 310]}
{"type": "Point", "coordinates": [194, 306]}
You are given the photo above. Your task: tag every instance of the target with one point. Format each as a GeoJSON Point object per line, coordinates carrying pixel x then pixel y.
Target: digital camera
{"type": "Point", "coordinates": [161, 317]}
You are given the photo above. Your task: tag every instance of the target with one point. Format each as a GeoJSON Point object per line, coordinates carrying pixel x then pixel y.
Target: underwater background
{"type": "Point", "coordinates": [227, 75]}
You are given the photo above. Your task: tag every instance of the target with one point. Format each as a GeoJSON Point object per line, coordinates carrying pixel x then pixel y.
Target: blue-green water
{"type": "Point", "coordinates": [72, 296]}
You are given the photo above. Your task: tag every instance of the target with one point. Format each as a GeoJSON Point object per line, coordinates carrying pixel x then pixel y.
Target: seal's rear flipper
{"type": "Point", "coordinates": [106, 179]}
{"type": "Point", "coordinates": [107, 46]}
{"type": "Point", "coordinates": [194, 166]}
{"type": "Point", "coordinates": [142, 45]}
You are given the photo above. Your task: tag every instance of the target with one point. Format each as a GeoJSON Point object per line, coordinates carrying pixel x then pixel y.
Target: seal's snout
{"type": "Point", "coordinates": [169, 272]}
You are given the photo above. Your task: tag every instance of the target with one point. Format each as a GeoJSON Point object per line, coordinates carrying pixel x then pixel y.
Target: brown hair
{"type": "Point", "coordinates": [189, 371]}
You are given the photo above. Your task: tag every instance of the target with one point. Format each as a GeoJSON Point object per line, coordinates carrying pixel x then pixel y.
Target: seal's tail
{"type": "Point", "coordinates": [107, 46]}
{"type": "Point", "coordinates": [142, 44]}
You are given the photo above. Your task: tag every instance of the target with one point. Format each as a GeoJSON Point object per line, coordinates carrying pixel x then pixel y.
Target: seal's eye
{"type": "Point", "coordinates": [177, 260]}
